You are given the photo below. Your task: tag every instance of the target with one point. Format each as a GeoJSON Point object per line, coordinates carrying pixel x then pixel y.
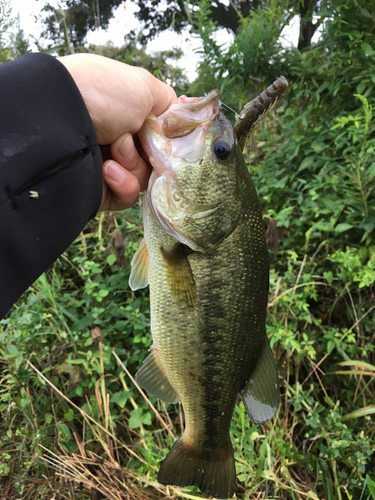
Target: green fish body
{"type": "Point", "coordinates": [205, 259]}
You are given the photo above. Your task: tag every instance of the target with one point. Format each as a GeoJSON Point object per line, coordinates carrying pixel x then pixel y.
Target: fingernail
{"type": "Point", "coordinates": [126, 149]}
{"type": "Point", "coordinates": [114, 171]}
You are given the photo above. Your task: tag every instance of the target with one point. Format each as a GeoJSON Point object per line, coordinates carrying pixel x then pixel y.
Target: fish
{"type": "Point", "coordinates": [205, 259]}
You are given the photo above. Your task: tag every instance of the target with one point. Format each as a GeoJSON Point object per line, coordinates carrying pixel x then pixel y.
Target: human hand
{"type": "Point", "coordinates": [119, 98]}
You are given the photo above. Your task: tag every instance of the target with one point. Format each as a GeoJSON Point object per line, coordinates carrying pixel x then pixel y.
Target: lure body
{"type": "Point", "coordinates": [256, 110]}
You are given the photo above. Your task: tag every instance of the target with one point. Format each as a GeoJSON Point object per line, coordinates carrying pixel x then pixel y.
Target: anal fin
{"type": "Point", "coordinates": [139, 272]}
{"type": "Point", "coordinates": [152, 378]}
{"type": "Point", "coordinates": [261, 392]}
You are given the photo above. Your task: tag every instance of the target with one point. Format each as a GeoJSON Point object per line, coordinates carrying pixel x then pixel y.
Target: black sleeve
{"type": "Point", "coordinates": [51, 180]}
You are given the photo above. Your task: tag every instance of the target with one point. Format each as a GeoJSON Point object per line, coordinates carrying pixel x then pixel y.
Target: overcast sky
{"type": "Point", "coordinates": [123, 22]}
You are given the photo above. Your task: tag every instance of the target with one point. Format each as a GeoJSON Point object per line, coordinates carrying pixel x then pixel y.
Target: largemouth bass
{"type": "Point", "coordinates": [205, 259]}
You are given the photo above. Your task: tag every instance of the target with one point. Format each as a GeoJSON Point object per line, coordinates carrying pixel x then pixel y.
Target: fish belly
{"type": "Point", "coordinates": [208, 349]}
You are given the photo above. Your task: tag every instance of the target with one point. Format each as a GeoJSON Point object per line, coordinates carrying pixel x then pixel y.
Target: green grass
{"type": "Point", "coordinates": [69, 405]}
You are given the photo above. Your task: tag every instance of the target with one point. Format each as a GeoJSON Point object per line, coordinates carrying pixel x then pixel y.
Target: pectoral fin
{"type": "Point", "coordinates": [180, 275]}
{"type": "Point", "coordinates": [261, 392]}
{"type": "Point", "coordinates": [152, 378]}
{"type": "Point", "coordinates": [139, 272]}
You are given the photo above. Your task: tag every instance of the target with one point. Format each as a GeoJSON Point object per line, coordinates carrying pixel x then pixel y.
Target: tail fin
{"type": "Point", "coordinates": [214, 473]}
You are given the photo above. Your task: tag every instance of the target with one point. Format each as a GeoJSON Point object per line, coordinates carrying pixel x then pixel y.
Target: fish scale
{"type": "Point", "coordinates": [218, 327]}
{"type": "Point", "coordinates": [205, 259]}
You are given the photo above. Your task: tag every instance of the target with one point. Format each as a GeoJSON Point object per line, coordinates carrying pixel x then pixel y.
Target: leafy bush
{"type": "Point", "coordinates": [313, 165]}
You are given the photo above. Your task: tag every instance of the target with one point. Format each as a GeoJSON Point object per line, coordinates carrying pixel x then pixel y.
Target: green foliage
{"type": "Point", "coordinates": [6, 23]}
{"type": "Point", "coordinates": [68, 325]}
{"type": "Point", "coordinates": [254, 56]}
{"type": "Point", "coordinates": [371, 485]}
{"type": "Point", "coordinates": [164, 65]}
{"type": "Point", "coordinates": [160, 16]}
{"type": "Point", "coordinates": [356, 265]}
{"type": "Point", "coordinates": [12, 39]}
{"type": "Point", "coordinates": [328, 145]}
{"type": "Point", "coordinates": [72, 20]}
{"type": "Point", "coordinates": [313, 165]}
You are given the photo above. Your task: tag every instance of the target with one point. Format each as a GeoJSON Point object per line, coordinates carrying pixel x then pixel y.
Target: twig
{"type": "Point", "coordinates": [271, 304]}
{"type": "Point", "coordinates": [86, 416]}
{"type": "Point", "coordinates": [361, 318]}
{"type": "Point", "coordinates": [144, 395]}
{"type": "Point", "coordinates": [353, 306]}
{"type": "Point", "coordinates": [317, 376]}
{"type": "Point", "coordinates": [318, 364]}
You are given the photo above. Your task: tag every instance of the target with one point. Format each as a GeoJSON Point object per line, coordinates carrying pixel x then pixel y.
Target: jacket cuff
{"type": "Point", "coordinates": [51, 180]}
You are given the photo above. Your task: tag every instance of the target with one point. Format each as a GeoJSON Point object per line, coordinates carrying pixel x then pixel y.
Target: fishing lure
{"type": "Point", "coordinates": [255, 110]}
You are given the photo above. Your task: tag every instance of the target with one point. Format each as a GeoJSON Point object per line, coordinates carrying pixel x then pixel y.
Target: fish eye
{"type": "Point", "coordinates": [222, 150]}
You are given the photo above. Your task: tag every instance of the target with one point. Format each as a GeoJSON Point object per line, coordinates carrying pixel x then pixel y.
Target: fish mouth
{"type": "Point", "coordinates": [191, 112]}
{"type": "Point", "coordinates": [179, 134]}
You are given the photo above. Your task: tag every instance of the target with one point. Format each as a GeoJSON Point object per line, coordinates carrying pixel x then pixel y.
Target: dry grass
{"type": "Point", "coordinates": [106, 478]}
{"type": "Point", "coordinates": [86, 475]}
{"type": "Point", "coordinates": [109, 481]}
